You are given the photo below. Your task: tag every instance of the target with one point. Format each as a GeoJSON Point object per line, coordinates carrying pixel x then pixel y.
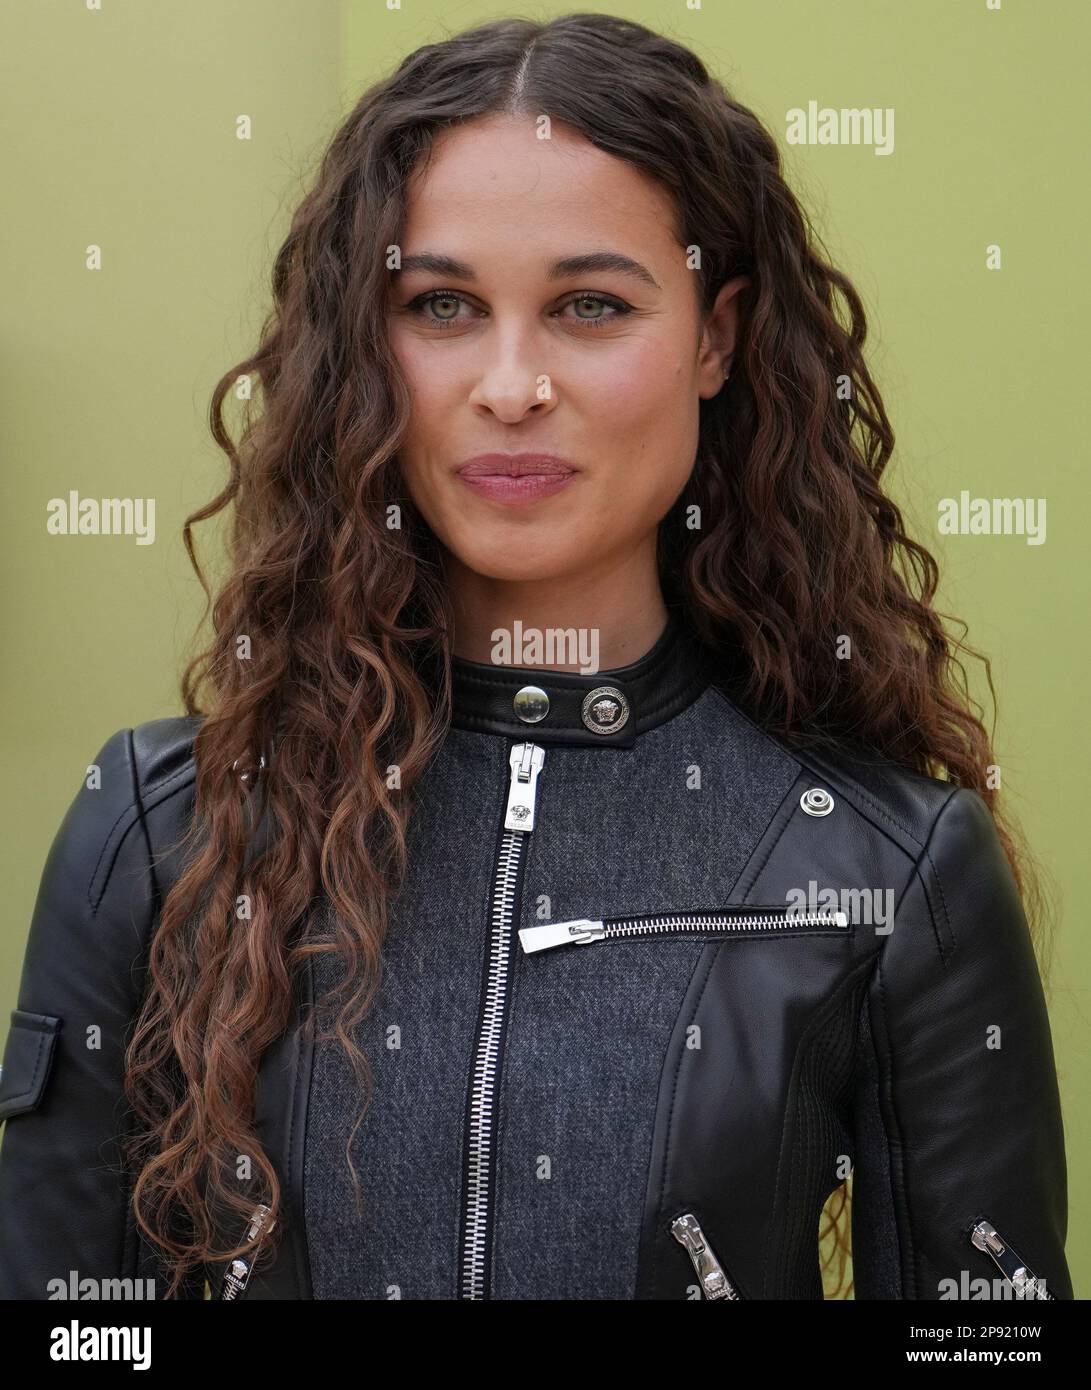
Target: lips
{"type": "Point", "coordinates": [514, 466]}
{"type": "Point", "coordinates": [514, 480]}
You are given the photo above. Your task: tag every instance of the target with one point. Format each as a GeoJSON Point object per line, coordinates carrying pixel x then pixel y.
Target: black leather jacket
{"type": "Point", "coordinates": [643, 1007]}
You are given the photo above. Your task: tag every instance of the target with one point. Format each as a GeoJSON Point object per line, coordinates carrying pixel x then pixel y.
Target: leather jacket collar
{"type": "Point", "coordinates": [607, 709]}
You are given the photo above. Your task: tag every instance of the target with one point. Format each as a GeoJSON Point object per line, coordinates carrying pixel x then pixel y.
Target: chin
{"type": "Point", "coordinates": [513, 561]}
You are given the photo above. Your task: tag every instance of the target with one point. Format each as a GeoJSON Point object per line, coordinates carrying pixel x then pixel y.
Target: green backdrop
{"type": "Point", "coordinates": [122, 134]}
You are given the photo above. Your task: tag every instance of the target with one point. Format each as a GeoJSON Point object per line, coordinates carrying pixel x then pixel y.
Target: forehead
{"type": "Point", "coordinates": [493, 179]}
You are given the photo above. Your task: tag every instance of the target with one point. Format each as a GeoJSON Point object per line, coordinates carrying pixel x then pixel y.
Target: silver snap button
{"type": "Point", "coordinates": [530, 704]}
{"type": "Point", "coordinates": [604, 710]}
{"type": "Point", "coordinates": [245, 776]}
{"type": "Point", "coordinates": [817, 802]}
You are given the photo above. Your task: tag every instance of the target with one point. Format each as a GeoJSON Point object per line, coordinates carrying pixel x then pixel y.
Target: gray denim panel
{"type": "Point", "coordinates": [408, 1150]}
{"type": "Point", "coordinates": [618, 833]}
{"type": "Point", "coordinates": [627, 826]}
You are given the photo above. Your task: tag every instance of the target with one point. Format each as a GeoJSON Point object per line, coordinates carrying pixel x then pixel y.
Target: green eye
{"type": "Point", "coordinates": [590, 299]}
{"type": "Point", "coordinates": [448, 299]}
{"type": "Point", "coordinates": [440, 317]}
{"type": "Point", "coordinates": [618, 308]}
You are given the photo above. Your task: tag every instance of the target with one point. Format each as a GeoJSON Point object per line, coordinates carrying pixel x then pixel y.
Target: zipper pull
{"type": "Point", "coordinates": [710, 1273]}
{"type": "Point", "coordinates": [235, 1280]}
{"type": "Point", "coordinates": [526, 762]}
{"type": "Point", "coordinates": [239, 1270]}
{"type": "Point", "coordinates": [547, 934]}
{"type": "Point", "coordinates": [1025, 1282]}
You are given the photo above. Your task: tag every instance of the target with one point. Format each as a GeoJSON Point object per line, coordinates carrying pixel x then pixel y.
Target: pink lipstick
{"type": "Point", "coordinates": [515, 478]}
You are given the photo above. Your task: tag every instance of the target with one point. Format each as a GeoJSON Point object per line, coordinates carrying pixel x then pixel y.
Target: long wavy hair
{"type": "Point", "coordinates": [332, 627]}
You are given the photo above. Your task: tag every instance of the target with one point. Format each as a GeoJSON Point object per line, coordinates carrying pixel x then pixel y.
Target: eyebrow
{"type": "Point", "coordinates": [588, 263]}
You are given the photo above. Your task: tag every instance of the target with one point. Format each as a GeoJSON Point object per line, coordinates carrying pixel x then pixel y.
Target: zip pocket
{"type": "Point", "coordinates": [1011, 1265]}
{"type": "Point", "coordinates": [711, 924]}
{"type": "Point", "coordinates": [238, 1272]}
{"type": "Point", "coordinates": [711, 1275]}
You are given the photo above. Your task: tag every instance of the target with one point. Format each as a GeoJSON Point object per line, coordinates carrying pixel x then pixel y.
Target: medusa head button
{"type": "Point", "coordinates": [605, 709]}
{"type": "Point", "coordinates": [817, 802]}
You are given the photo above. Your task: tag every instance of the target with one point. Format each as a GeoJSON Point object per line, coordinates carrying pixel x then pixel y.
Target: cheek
{"type": "Point", "coordinates": [428, 406]}
{"type": "Point", "coordinates": [651, 416]}
{"type": "Point", "coordinates": [653, 390]}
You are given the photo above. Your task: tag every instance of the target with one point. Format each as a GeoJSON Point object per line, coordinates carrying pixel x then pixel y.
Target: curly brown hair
{"type": "Point", "coordinates": [347, 621]}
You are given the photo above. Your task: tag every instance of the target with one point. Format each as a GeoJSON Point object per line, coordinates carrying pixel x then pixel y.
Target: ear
{"type": "Point", "coordinates": [718, 337]}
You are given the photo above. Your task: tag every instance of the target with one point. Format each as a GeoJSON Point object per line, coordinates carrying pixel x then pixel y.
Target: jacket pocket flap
{"type": "Point", "coordinates": [28, 1060]}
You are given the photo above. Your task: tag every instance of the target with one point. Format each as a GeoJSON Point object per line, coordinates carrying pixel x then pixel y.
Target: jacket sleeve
{"type": "Point", "coordinates": [957, 1110]}
{"type": "Point", "coordinates": [64, 1208]}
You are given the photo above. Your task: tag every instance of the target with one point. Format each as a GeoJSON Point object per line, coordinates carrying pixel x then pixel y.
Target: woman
{"type": "Point", "coordinates": [583, 776]}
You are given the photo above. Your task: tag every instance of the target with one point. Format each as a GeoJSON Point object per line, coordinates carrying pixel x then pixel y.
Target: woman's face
{"type": "Point", "coordinates": [599, 364]}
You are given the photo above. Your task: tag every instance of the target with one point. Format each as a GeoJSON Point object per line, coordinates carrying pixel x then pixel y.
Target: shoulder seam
{"type": "Point", "coordinates": [173, 777]}
{"type": "Point", "coordinates": [916, 875]}
{"type": "Point", "coordinates": [926, 853]}
{"type": "Point", "coordinates": [94, 900]}
{"type": "Point", "coordinates": [135, 808]}
{"type": "Point", "coordinates": [862, 800]}
{"type": "Point", "coordinates": [876, 808]}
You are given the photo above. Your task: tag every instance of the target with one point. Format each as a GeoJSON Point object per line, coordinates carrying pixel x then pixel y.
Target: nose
{"type": "Point", "coordinates": [512, 383]}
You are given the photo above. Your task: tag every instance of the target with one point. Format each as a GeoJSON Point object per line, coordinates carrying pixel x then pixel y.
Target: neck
{"type": "Point", "coordinates": [586, 623]}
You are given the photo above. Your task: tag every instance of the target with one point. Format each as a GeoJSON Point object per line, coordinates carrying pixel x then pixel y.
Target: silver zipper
{"type": "Point", "coordinates": [239, 1270]}
{"type": "Point", "coordinates": [526, 760]}
{"type": "Point", "coordinates": [711, 1276]}
{"type": "Point", "coordinates": [583, 930]}
{"type": "Point", "coordinates": [1011, 1265]}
